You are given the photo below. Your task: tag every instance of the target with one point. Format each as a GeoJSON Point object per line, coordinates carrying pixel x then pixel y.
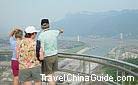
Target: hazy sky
{"type": "Point", "coordinates": [30, 12]}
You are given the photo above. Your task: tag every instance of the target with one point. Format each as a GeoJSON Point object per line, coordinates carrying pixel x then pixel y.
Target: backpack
{"type": "Point", "coordinates": [38, 46]}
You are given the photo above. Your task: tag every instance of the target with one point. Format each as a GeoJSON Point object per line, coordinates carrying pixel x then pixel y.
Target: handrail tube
{"type": "Point", "coordinates": [89, 60]}
{"type": "Point", "coordinates": [103, 58]}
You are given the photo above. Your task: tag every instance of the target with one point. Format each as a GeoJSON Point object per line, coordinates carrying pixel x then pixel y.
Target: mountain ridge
{"type": "Point", "coordinates": [108, 23]}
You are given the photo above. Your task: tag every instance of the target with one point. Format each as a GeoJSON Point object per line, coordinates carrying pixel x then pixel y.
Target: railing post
{"type": "Point", "coordinates": [129, 81]}
{"type": "Point", "coordinates": [123, 74]}
{"type": "Point", "coordinates": [83, 70]}
{"type": "Point", "coordinates": [117, 76]}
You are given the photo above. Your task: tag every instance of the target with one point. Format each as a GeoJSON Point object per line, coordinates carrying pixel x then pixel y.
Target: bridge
{"type": "Point", "coordinates": [85, 65]}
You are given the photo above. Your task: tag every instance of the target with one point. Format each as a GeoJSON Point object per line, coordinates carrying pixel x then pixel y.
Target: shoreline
{"type": "Point", "coordinates": [83, 50]}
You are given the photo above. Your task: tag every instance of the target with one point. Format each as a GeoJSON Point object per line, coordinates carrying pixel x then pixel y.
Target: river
{"type": "Point", "coordinates": [101, 47]}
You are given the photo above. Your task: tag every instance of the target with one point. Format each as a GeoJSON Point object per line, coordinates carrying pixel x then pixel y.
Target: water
{"type": "Point", "coordinates": [101, 47]}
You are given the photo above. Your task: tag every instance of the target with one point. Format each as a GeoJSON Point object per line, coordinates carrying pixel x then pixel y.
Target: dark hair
{"type": "Point", "coordinates": [28, 35]}
{"type": "Point", "coordinates": [18, 34]}
{"type": "Point", "coordinates": [44, 21]}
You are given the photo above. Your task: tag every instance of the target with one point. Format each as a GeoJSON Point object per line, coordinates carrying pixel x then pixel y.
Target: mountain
{"type": "Point", "coordinates": [108, 23]}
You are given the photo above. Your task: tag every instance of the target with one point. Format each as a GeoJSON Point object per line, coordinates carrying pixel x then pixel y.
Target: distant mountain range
{"type": "Point", "coordinates": [109, 23]}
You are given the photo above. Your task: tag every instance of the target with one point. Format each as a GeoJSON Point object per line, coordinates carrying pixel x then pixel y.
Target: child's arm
{"type": "Point", "coordinates": [12, 32]}
{"type": "Point", "coordinates": [11, 36]}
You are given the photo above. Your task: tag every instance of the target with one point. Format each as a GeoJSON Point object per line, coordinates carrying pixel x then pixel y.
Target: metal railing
{"type": "Point", "coordinates": [85, 63]}
{"type": "Point", "coordinates": [118, 64]}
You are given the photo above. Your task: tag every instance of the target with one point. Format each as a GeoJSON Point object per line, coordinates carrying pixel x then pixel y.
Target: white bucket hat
{"type": "Point", "coordinates": [31, 29]}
